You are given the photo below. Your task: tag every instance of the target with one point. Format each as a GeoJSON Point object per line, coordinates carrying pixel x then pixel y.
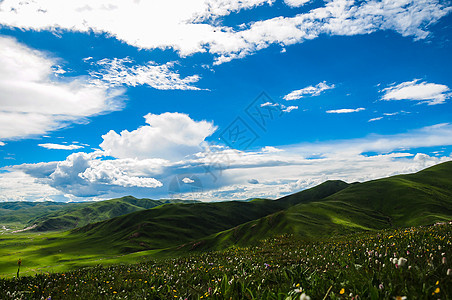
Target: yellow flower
{"type": "Point", "coordinates": [437, 290]}
{"type": "Point", "coordinates": [342, 291]}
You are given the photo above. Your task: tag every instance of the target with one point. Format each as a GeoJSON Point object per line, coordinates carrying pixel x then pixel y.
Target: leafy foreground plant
{"type": "Point", "coordinates": [391, 264]}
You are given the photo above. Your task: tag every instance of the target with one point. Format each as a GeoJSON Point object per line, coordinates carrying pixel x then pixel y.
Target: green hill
{"type": "Point", "coordinates": [16, 215]}
{"type": "Point", "coordinates": [398, 201]}
{"type": "Point", "coordinates": [175, 224]}
{"type": "Point", "coordinates": [331, 208]}
{"type": "Point", "coordinates": [85, 213]}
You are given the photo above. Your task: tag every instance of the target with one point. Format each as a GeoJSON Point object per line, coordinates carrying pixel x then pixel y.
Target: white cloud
{"type": "Point", "coordinates": [345, 110]}
{"type": "Point", "coordinates": [271, 149]}
{"type": "Point", "coordinates": [170, 136]}
{"type": "Point", "coordinates": [2, 144]}
{"type": "Point", "coordinates": [59, 146]}
{"type": "Point", "coordinates": [431, 93]}
{"type": "Point", "coordinates": [107, 172]}
{"type": "Point", "coordinates": [308, 91]}
{"type": "Point", "coordinates": [289, 108]}
{"type": "Point", "coordinates": [117, 72]}
{"type": "Point", "coordinates": [87, 174]}
{"type": "Point", "coordinates": [296, 3]}
{"type": "Point", "coordinates": [273, 172]}
{"type": "Point", "coordinates": [33, 101]}
{"type": "Point", "coordinates": [375, 119]}
{"type": "Point", "coordinates": [194, 26]}
{"type": "Point", "coordinates": [187, 180]}
{"type": "Point", "coordinates": [19, 186]}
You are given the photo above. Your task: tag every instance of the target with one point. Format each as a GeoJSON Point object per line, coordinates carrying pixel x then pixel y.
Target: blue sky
{"type": "Point", "coordinates": [218, 99]}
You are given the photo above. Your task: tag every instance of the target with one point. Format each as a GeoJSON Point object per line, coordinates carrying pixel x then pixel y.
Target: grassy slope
{"type": "Point", "coordinates": [16, 215]}
{"type": "Point", "coordinates": [172, 225]}
{"type": "Point", "coordinates": [166, 225]}
{"type": "Point", "coordinates": [399, 201]}
{"type": "Point", "coordinates": [331, 208]}
{"type": "Point", "coordinates": [86, 213]}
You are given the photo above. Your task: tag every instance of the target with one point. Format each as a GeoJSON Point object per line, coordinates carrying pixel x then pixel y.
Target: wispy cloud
{"type": "Point", "coordinates": [345, 110]}
{"type": "Point", "coordinates": [194, 27]}
{"type": "Point", "coordinates": [121, 71]}
{"type": "Point", "coordinates": [375, 119]}
{"type": "Point", "coordinates": [431, 93]}
{"type": "Point", "coordinates": [60, 146]}
{"type": "Point", "coordinates": [34, 101]}
{"type": "Point", "coordinates": [309, 91]}
{"type": "Point", "coordinates": [296, 3]}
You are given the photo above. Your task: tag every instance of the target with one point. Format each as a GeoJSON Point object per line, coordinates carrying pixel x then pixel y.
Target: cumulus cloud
{"type": "Point", "coordinates": [194, 26]}
{"type": "Point", "coordinates": [89, 175]}
{"type": "Point", "coordinates": [16, 185]}
{"type": "Point", "coordinates": [108, 172]}
{"type": "Point", "coordinates": [308, 91]}
{"type": "Point", "coordinates": [431, 93]}
{"type": "Point", "coordinates": [169, 136]}
{"type": "Point", "coordinates": [34, 101]}
{"type": "Point", "coordinates": [60, 146]}
{"type": "Point", "coordinates": [117, 72]}
{"type": "Point", "coordinates": [2, 144]}
{"type": "Point", "coordinates": [345, 110]}
{"type": "Point", "coordinates": [243, 174]}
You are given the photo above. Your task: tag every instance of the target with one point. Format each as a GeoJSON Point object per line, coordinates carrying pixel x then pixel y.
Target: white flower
{"type": "Point", "coordinates": [304, 297]}
{"type": "Point", "coordinates": [402, 261]}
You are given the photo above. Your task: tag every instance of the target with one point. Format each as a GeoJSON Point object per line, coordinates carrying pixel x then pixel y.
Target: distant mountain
{"type": "Point", "coordinates": [22, 212]}
{"type": "Point", "coordinates": [81, 214]}
{"type": "Point", "coordinates": [333, 207]}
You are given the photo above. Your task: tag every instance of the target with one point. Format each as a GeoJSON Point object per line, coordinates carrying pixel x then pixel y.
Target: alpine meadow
{"type": "Point", "coordinates": [226, 149]}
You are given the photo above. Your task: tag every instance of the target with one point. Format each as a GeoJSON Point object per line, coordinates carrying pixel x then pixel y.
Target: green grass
{"type": "Point", "coordinates": [333, 208]}
{"type": "Point", "coordinates": [51, 216]}
{"type": "Point", "coordinates": [282, 267]}
{"type": "Point", "coordinates": [398, 201]}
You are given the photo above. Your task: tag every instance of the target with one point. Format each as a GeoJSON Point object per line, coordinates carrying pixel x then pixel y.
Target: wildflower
{"type": "Point", "coordinates": [400, 298]}
{"type": "Point", "coordinates": [437, 290]}
{"type": "Point", "coordinates": [402, 261]}
{"type": "Point", "coordinates": [304, 297]}
{"type": "Point", "coordinates": [342, 291]}
{"type": "Point", "coordinates": [449, 272]}
{"type": "Point", "coordinates": [381, 286]}
{"type": "Point", "coordinates": [444, 260]}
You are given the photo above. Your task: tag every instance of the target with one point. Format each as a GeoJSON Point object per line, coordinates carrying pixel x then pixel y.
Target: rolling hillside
{"type": "Point", "coordinates": [333, 207]}
{"type": "Point", "coordinates": [85, 213]}
{"type": "Point", "coordinates": [398, 201]}
{"type": "Point", "coordinates": [18, 214]}
{"type": "Point", "coordinates": [175, 224]}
